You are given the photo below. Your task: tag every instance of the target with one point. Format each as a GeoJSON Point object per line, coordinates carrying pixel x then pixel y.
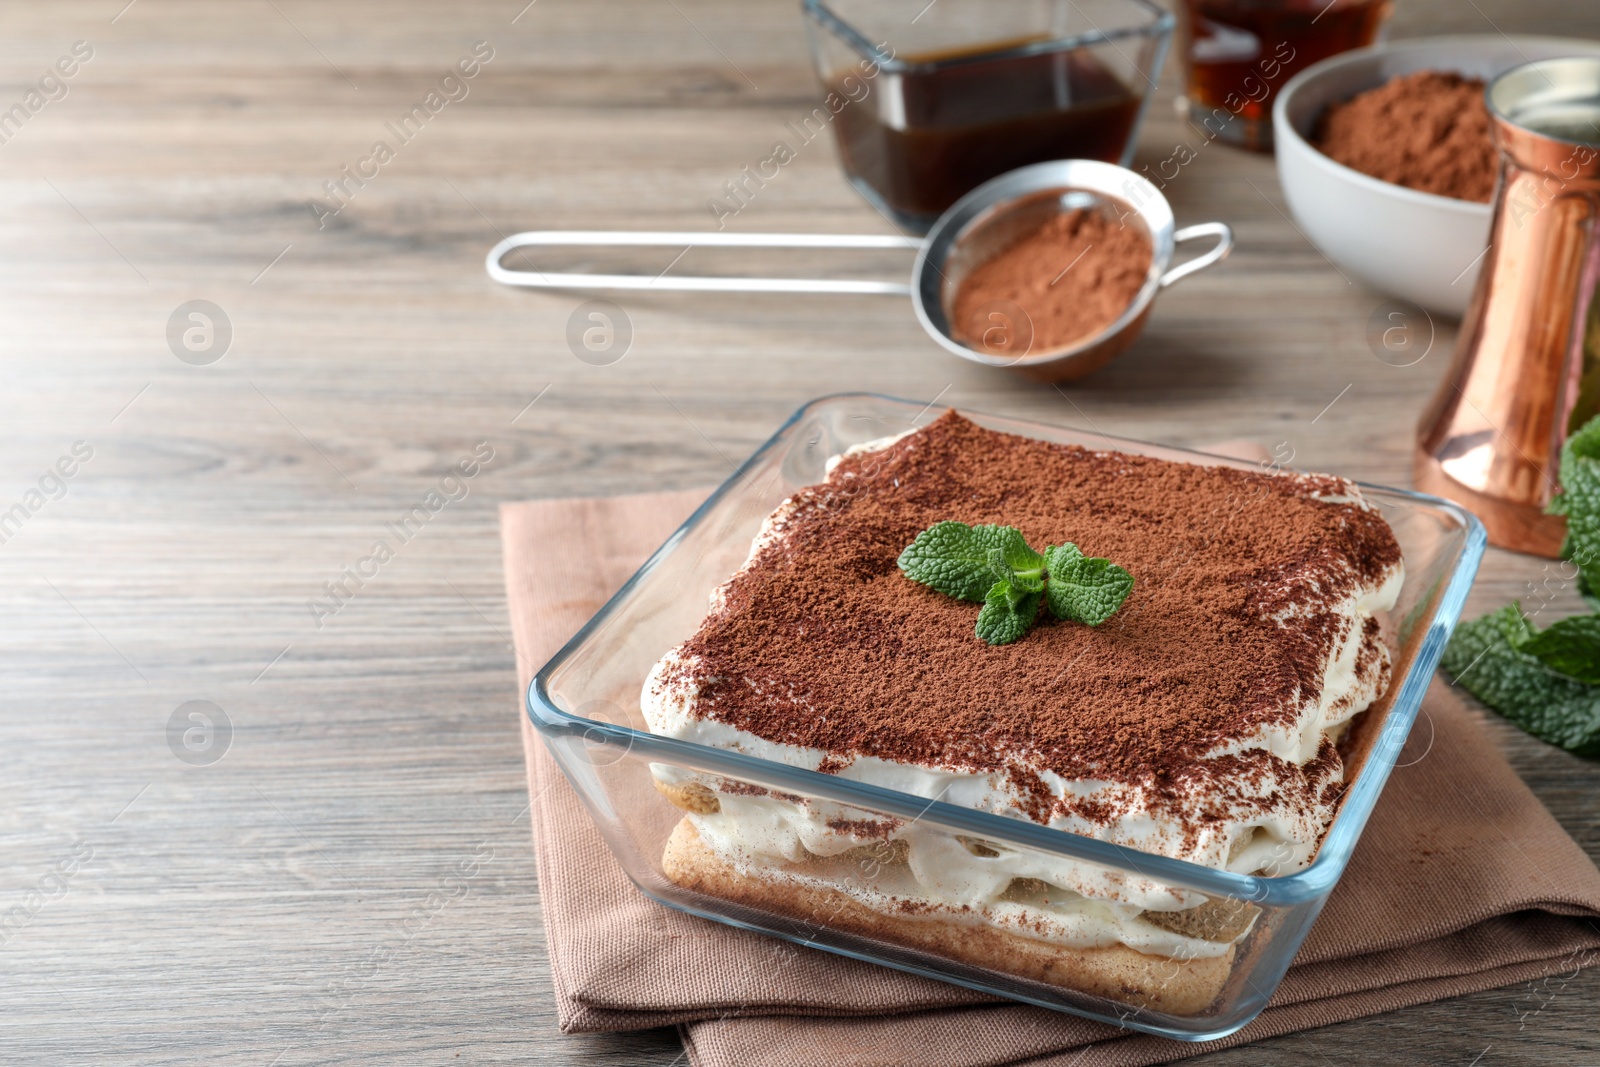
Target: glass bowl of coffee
{"type": "Point", "coordinates": [927, 101]}
{"type": "Point", "coordinates": [1238, 53]}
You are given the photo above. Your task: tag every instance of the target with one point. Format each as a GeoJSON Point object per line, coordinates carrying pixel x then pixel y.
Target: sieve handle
{"type": "Point", "coordinates": [1217, 254]}
{"type": "Point", "coordinates": [623, 238]}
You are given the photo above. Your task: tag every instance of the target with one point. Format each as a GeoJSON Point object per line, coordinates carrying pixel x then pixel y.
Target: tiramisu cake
{"type": "Point", "coordinates": [1202, 721]}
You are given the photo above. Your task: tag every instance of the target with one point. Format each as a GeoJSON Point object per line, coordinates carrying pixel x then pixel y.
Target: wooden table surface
{"type": "Point", "coordinates": [228, 912]}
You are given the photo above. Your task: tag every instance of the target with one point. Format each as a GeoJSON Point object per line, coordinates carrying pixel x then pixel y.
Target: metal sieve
{"type": "Point", "coordinates": [975, 228]}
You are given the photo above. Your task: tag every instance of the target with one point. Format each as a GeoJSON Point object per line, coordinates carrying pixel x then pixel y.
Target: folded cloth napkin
{"type": "Point", "coordinates": [1462, 882]}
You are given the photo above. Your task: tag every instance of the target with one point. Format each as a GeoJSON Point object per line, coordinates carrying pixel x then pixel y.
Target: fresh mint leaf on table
{"type": "Point", "coordinates": [995, 566]}
{"type": "Point", "coordinates": [1547, 681]}
{"type": "Point", "coordinates": [1579, 501]}
{"type": "Point", "coordinates": [1484, 657]}
{"type": "Point", "coordinates": [1570, 647]}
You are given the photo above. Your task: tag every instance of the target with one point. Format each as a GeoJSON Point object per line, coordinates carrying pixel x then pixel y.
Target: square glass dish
{"type": "Point", "coordinates": [930, 100]}
{"type": "Point", "coordinates": [585, 703]}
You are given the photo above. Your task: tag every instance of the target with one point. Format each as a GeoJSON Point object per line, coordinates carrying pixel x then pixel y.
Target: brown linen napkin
{"type": "Point", "coordinates": [1461, 882]}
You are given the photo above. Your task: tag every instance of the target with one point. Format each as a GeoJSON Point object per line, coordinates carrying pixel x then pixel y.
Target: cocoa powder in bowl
{"type": "Point", "coordinates": [1427, 130]}
{"type": "Point", "coordinates": [1072, 277]}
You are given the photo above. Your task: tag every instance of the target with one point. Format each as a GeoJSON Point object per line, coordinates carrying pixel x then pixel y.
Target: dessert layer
{"type": "Point", "coordinates": [1170, 983]}
{"type": "Point", "coordinates": [1196, 723]}
{"type": "Point", "coordinates": [917, 872]}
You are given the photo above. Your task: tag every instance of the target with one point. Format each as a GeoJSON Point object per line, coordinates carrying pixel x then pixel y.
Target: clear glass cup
{"type": "Point", "coordinates": [927, 101]}
{"type": "Point", "coordinates": [1218, 943]}
{"type": "Point", "coordinates": [1238, 53]}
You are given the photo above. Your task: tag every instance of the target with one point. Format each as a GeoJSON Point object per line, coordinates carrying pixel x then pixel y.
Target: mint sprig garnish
{"type": "Point", "coordinates": [1547, 681]}
{"type": "Point", "coordinates": [995, 566]}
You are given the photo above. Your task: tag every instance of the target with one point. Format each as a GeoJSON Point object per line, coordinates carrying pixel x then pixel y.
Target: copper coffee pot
{"type": "Point", "coordinates": [1526, 371]}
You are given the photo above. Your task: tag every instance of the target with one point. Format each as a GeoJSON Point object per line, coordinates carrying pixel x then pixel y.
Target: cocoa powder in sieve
{"type": "Point", "coordinates": [1072, 278]}
{"type": "Point", "coordinates": [1428, 130]}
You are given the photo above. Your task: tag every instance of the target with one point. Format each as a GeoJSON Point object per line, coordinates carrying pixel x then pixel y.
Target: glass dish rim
{"type": "Point", "coordinates": [1311, 883]}
{"type": "Point", "coordinates": [1162, 25]}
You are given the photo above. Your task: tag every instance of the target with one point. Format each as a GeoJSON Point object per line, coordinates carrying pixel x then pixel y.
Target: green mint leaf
{"type": "Point", "coordinates": [1561, 710]}
{"type": "Point", "coordinates": [1584, 443]}
{"type": "Point", "coordinates": [1570, 647]}
{"type": "Point", "coordinates": [1515, 626]}
{"type": "Point", "coordinates": [952, 558]}
{"type": "Point", "coordinates": [1058, 557]}
{"type": "Point", "coordinates": [1031, 581]}
{"type": "Point", "coordinates": [1083, 588]}
{"type": "Point", "coordinates": [1019, 557]}
{"type": "Point", "coordinates": [1588, 594]}
{"type": "Point", "coordinates": [1579, 500]}
{"type": "Point", "coordinates": [998, 566]}
{"type": "Point", "coordinates": [955, 558]}
{"type": "Point", "coordinates": [1582, 545]}
{"type": "Point", "coordinates": [1007, 614]}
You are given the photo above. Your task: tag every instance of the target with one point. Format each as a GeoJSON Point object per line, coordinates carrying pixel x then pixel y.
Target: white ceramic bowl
{"type": "Point", "coordinates": [1416, 246]}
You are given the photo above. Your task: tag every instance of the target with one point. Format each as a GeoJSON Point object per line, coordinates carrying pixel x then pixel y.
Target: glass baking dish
{"type": "Point", "coordinates": [585, 705]}
{"type": "Point", "coordinates": [930, 100]}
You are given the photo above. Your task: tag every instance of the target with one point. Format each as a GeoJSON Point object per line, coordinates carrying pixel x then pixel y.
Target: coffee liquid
{"type": "Point", "coordinates": [1242, 51]}
{"type": "Point", "coordinates": [928, 136]}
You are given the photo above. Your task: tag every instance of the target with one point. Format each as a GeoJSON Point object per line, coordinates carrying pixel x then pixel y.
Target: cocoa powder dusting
{"type": "Point", "coordinates": [824, 643]}
{"type": "Point", "coordinates": [1428, 130]}
{"type": "Point", "coordinates": [1073, 277]}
